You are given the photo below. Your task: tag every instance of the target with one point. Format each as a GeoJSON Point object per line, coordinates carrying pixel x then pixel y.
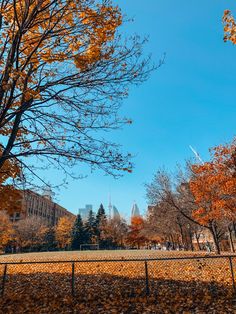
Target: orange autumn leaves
{"type": "Point", "coordinates": [214, 186]}
{"type": "Point", "coordinates": [10, 197]}
{"type": "Point", "coordinates": [229, 27]}
{"type": "Point", "coordinates": [58, 31]}
{"type": "Point", "coordinates": [36, 35]}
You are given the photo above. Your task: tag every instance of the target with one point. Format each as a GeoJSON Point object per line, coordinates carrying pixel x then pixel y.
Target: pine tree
{"type": "Point", "coordinates": [101, 215]}
{"type": "Point", "coordinates": [91, 228]}
{"type": "Point", "coordinates": [50, 240]}
{"type": "Point", "coordinates": [78, 236]}
{"type": "Point", "coordinates": [101, 221]}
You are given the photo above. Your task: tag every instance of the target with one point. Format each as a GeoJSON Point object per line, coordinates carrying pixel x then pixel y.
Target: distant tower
{"type": "Point", "coordinates": [109, 208]}
{"type": "Point", "coordinates": [135, 210]}
{"type": "Point", "coordinates": [48, 193]}
{"type": "Point", "coordinates": [115, 213]}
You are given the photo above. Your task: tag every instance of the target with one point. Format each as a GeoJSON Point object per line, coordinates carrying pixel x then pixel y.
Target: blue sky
{"type": "Point", "coordinates": [189, 100]}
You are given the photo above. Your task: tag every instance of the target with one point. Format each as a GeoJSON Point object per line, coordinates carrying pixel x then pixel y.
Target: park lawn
{"type": "Point", "coordinates": [96, 254]}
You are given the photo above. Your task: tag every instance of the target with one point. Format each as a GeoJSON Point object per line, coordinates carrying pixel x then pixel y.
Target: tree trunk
{"type": "Point", "coordinates": [215, 238]}
{"type": "Point", "coordinates": [182, 234]}
{"type": "Point", "coordinates": [190, 239]}
{"type": "Point", "coordinates": [172, 241]}
{"type": "Point", "coordinates": [231, 240]}
{"type": "Point", "coordinates": [198, 243]}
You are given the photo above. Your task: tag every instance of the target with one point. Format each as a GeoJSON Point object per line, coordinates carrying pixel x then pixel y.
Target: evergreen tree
{"type": "Point", "coordinates": [50, 240]}
{"type": "Point", "coordinates": [91, 228]}
{"type": "Point", "coordinates": [101, 221]}
{"type": "Point", "coordinates": [101, 215]}
{"type": "Point", "coordinates": [78, 236]}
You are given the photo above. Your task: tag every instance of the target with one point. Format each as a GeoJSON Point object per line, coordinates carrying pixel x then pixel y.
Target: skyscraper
{"type": "Point", "coordinates": [135, 211]}
{"type": "Point", "coordinates": [84, 212]}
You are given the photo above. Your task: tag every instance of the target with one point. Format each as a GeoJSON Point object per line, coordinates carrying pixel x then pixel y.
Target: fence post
{"type": "Point", "coordinates": [147, 279]}
{"type": "Point", "coordinates": [232, 274]}
{"type": "Point", "coordinates": [73, 280]}
{"type": "Point", "coordinates": [4, 279]}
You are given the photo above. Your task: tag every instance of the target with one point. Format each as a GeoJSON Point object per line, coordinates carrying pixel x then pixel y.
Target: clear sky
{"type": "Point", "coordinates": [190, 100]}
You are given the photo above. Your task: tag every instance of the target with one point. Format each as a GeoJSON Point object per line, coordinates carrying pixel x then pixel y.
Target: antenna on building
{"type": "Point", "coordinates": [196, 154]}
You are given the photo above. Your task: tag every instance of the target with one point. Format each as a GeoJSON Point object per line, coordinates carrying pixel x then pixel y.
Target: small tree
{"type": "Point", "coordinates": [63, 232]}
{"type": "Point", "coordinates": [115, 232]}
{"type": "Point", "coordinates": [7, 233]}
{"type": "Point", "coordinates": [101, 222]}
{"type": "Point", "coordinates": [136, 236]}
{"type": "Point", "coordinates": [50, 239]}
{"type": "Point", "coordinates": [30, 233]}
{"type": "Point", "coordinates": [78, 234]}
{"type": "Point", "coordinates": [100, 215]}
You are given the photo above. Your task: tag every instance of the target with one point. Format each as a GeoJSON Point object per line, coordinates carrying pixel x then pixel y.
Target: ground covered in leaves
{"type": "Point", "coordinates": [174, 286]}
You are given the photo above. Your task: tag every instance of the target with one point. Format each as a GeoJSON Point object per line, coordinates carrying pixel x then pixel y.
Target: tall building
{"type": "Point", "coordinates": [84, 212]}
{"type": "Point", "coordinates": [40, 206]}
{"type": "Point", "coordinates": [115, 212]}
{"type": "Point", "coordinates": [135, 211]}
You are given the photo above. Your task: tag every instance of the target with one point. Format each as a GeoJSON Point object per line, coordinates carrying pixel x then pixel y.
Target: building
{"type": "Point", "coordinates": [84, 212]}
{"type": "Point", "coordinates": [135, 211]}
{"type": "Point", "coordinates": [115, 213]}
{"type": "Point", "coordinates": [40, 206]}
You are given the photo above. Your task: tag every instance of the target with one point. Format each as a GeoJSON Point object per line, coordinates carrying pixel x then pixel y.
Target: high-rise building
{"type": "Point", "coordinates": [115, 212]}
{"type": "Point", "coordinates": [84, 212]}
{"type": "Point", "coordinates": [135, 211]}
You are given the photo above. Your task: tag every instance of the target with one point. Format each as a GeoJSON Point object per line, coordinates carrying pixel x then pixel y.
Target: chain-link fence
{"type": "Point", "coordinates": [185, 282]}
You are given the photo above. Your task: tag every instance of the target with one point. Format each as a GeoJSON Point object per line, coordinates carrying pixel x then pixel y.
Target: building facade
{"type": "Point", "coordinates": [135, 211]}
{"type": "Point", "coordinates": [40, 206]}
{"type": "Point", "coordinates": [84, 212]}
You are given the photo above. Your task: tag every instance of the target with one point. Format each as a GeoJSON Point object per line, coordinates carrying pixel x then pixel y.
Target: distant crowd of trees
{"type": "Point", "coordinates": [31, 234]}
{"type": "Point", "coordinates": [197, 204]}
{"type": "Point", "coordinates": [191, 209]}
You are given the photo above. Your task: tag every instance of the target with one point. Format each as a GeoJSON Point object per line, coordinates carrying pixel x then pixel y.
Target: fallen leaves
{"type": "Point", "coordinates": [176, 286]}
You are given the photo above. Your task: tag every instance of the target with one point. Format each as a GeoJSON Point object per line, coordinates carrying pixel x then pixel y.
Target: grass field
{"type": "Point", "coordinates": [183, 286]}
{"type": "Point", "coordinates": [109, 254]}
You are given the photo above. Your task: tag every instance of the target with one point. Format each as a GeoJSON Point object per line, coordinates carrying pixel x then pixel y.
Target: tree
{"type": "Point", "coordinates": [100, 214]}
{"type": "Point", "coordinates": [64, 70]}
{"type": "Point", "coordinates": [115, 232]}
{"type": "Point", "coordinates": [10, 196]}
{"type": "Point", "coordinates": [63, 232]}
{"type": "Point", "coordinates": [7, 233]}
{"type": "Point", "coordinates": [49, 241]}
{"type": "Point", "coordinates": [214, 188]}
{"type": "Point", "coordinates": [91, 229]}
{"type": "Point", "coordinates": [30, 233]}
{"type": "Point", "coordinates": [78, 234]}
{"type": "Point", "coordinates": [229, 27]}
{"type": "Point", "coordinates": [174, 201]}
{"type": "Point", "coordinates": [101, 222]}
{"type": "Point", "coordinates": [136, 235]}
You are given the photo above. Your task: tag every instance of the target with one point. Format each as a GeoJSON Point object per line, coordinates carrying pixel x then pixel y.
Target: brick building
{"type": "Point", "coordinates": [40, 206]}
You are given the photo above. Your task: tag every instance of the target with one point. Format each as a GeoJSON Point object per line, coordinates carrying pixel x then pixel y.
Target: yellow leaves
{"type": "Point", "coordinates": [6, 229]}
{"type": "Point", "coordinates": [63, 231]}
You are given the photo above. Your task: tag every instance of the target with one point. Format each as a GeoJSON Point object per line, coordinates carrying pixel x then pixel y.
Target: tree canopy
{"type": "Point", "coordinates": [64, 70]}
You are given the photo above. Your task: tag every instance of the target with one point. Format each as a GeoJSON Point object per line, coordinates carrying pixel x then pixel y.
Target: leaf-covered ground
{"type": "Point", "coordinates": [186, 286]}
